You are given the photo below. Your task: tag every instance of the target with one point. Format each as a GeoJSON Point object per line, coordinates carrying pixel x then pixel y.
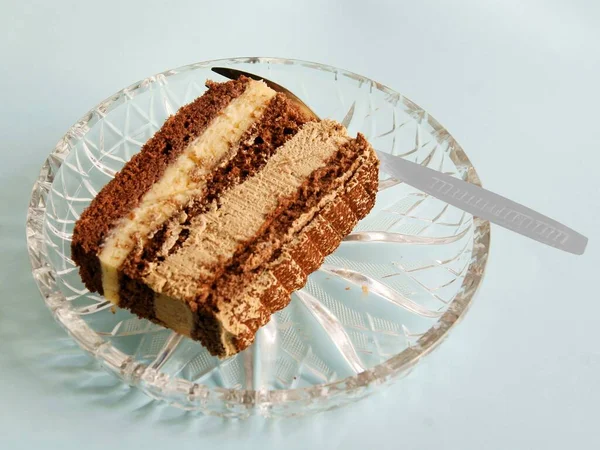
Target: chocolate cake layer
{"type": "Point", "coordinates": [244, 209]}
{"type": "Point", "coordinates": [124, 192]}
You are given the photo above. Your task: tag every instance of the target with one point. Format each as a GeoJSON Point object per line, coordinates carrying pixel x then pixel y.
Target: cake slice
{"type": "Point", "coordinates": [224, 213]}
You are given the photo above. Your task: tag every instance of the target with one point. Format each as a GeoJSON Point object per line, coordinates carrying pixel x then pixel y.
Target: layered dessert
{"type": "Point", "coordinates": [224, 213]}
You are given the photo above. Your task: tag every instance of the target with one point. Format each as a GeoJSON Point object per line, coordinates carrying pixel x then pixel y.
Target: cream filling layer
{"type": "Point", "coordinates": [215, 235]}
{"type": "Point", "coordinates": [182, 181]}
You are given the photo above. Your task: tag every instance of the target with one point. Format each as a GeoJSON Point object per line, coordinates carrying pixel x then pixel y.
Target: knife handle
{"type": "Point", "coordinates": [485, 204]}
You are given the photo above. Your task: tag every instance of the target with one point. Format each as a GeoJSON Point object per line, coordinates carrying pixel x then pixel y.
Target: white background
{"type": "Point", "coordinates": [515, 81]}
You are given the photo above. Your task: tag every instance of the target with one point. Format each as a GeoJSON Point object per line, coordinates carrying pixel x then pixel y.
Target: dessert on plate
{"type": "Point", "coordinates": [224, 213]}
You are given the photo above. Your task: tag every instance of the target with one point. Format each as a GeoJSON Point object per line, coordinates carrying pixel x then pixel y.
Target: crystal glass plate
{"type": "Point", "coordinates": [381, 302]}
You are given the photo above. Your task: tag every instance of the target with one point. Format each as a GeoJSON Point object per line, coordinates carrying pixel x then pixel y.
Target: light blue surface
{"type": "Point", "coordinates": [515, 82]}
